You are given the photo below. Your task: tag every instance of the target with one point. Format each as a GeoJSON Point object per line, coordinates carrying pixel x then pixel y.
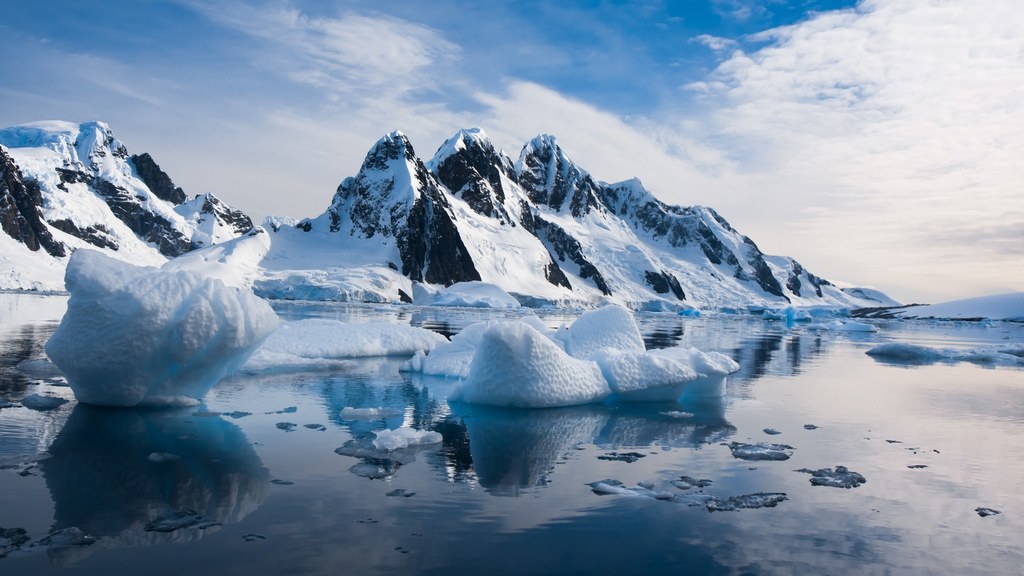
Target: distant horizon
{"type": "Point", "coordinates": [877, 143]}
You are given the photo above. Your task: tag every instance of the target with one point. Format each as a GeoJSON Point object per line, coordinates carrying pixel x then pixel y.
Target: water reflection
{"type": "Point", "coordinates": [112, 471]}
{"type": "Point", "coordinates": [514, 450]}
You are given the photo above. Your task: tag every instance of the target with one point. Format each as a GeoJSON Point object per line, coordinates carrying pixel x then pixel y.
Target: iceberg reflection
{"type": "Point", "coordinates": [113, 471]}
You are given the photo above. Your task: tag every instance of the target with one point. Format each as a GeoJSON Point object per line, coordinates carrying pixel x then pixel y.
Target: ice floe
{"type": "Point", "coordinates": [135, 335]}
{"type": "Point", "coordinates": [906, 353]}
{"type": "Point", "coordinates": [709, 502]}
{"type": "Point", "coordinates": [841, 477]}
{"type": "Point", "coordinates": [760, 451]}
{"type": "Point", "coordinates": [42, 403]}
{"type": "Point", "coordinates": [322, 343]}
{"type": "Point", "coordinates": [400, 438]}
{"type": "Point", "coordinates": [373, 413]}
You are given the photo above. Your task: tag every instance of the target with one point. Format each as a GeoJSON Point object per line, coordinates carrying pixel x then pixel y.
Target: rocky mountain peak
{"type": "Point", "coordinates": [469, 166]}
{"type": "Point", "coordinates": [551, 179]}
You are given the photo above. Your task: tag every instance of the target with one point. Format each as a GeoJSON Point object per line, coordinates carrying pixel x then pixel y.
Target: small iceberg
{"type": "Point", "coordinates": [915, 354]}
{"type": "Point", "coordinates": [141, 336]}
{"type": "Point", "coordinates": [601, 356]}
{"type": "Point", "coordinates": [841, 477]}
{"type": "Point", "coordinates": [760, 451]}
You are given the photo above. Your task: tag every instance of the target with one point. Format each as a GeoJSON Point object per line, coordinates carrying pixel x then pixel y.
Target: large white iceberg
{"type": "Point", "coordinates": [600, 356]}
{"type": "Point", "coordinates": [141, 336]}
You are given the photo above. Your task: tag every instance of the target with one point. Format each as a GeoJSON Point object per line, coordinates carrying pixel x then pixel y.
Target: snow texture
{"type": "Point", "coordinates": [141, 336]}
{"type": "Point", "coordinates": [515, 365]}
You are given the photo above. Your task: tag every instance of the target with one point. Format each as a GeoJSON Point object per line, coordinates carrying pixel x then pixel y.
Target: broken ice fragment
{"type": "Point", "coordinates": [771, 431]}
{"type": "Point", "coordinates": [67, 537]}
{"type": "Point", "coordinates": [317, 427]}
{"type": "Point", "coordinates": [286, 426]}
{"type": "Point", "coordinates": [917, 466]}
{"type": "Point", "coordinates": [400, 492]}
{"type": "Point", "coordinates": [756, 500]}
{"type": "Point", "coordinates": [627, 457]}
{"type": "Point", "coordinates": [282, 482]}
{"type": "Point", "coordinates": [42, 403]}
{"type": "Point", "coordinates": [252, 537]}
{"type": "Point", "coordinates": [238, 414]}
{"type": "Point", "coordinates": [687, 482]}
{"type": "Point", "coordinates": [841, 477]}
{"type": "Point", "coordinates": [983, 512]}
{"type": "Point", "coordinates": [399, 438]}
{"type": "Point", "coordinates": [760, 451]}
{"type": "Point", "coordinates": [810, 427]}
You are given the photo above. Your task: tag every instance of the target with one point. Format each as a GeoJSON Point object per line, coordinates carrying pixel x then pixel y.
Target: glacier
{"type": "Point", "coordinates": [141, 336]}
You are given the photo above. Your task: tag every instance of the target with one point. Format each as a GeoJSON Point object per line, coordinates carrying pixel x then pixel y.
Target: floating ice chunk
{"type": "Point", "coordinates": [771, 431]}
{"type": "Point", "coordinates": [854, 326]}
{"type": "Point", "coordinates": [474, 295]}
{"type": "Point", "coordinates": [135, 335]}
{"type": "Point", "coordinates": [756, 500]}
{"type": "Point", "coordinates": [610, 486]}
{"type": "Point", "coordinates": [760, 451]}
{"type": "Point", "coordinates": [841, 477]}
{"type": "Point", "coordinates": [983, 512]}
{"type": "Point", "coordinates": [42, 403]}
{"type": "Point", "coordinates": [350, 413]}
{"type": "Point", "coordinates": [400, 438]}
{"type": "Point", "coordinates": [608, 328]}
{"type": "Point", "coordinates": [677, 414]}
{"type": "Point", "coordinates": [307, 342]}
{"type": "Point", "coordinates": [905, 353]}
{"type": "Point", "coordinates": [515, 365]}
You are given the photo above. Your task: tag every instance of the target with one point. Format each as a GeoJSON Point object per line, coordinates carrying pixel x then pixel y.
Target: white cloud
{"type": "Point", "coordinates": [716, 43]}
{"type": "Point", "coordinates": [882, 130]}
{"type": "Point", "coordinates": [363, 54]}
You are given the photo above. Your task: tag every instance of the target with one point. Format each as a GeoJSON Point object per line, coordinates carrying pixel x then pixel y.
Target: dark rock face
{"type": "Point", "coordinates": [474, 173]}
{"type": "Point", "coordinates": [20, 217]}
{"type": "Point", "coordinates": [128, 209]}
{"type": "Point", "coordinates": [663, 282]}
{"type": "Point", "coordinates": [420, 219]}
{"type": "Point", "coordinates": [236, 219]}
{"type": "Point", "coordinates": [564, 246]}
{"type": "Point", "coordinates": [548, 177]}
{"type": "Point", "coordinates": [157, 180]}
{"type": "Point", "coordinates": [97, 235]}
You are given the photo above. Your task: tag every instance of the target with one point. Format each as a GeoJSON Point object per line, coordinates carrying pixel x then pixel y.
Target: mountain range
{"type": "Point", "coordinates": [539, 227]}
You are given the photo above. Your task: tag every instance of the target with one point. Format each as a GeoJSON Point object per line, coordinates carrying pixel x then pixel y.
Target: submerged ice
{"type": "Point", "coordinates": [600, 356]}
{"type": "Point", "coordinates": [137, 335]}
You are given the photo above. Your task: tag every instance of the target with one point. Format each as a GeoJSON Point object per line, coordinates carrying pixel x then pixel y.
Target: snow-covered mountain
{"type": "Point", "coordinates": [65, 186]}
{"type": "Point", "coordinates": [541, 227]}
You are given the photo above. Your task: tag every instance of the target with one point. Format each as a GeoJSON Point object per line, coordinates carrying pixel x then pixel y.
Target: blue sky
{"type": "Point", "coordinates": [878, 142]}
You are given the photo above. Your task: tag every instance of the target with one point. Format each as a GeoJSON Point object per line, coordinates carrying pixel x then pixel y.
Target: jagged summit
{"type": "Point", "coordinates": [75, 185]}
{"type": "Point", "coordinates": [541, 227]}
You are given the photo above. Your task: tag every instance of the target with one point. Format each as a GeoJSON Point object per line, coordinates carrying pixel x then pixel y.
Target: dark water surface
{"type": "Point", "coordinates": [506, 492]}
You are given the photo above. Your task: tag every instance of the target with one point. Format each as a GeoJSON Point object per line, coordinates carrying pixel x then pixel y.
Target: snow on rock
{"type": "Point", "coordinates": [998, 307]}
{"type": "Point", "coordinates": [401, 438]}
{"type": "Point", "coordinates": [137, 335]}
{"type": "Point", "coordinates": [515, 365]}
{"type": "Point", "coordinates": [306, 343]}
{"type": "Point", "coordinates": [905, 353]}
{"type": "Point", "coordinates": [474, 295]}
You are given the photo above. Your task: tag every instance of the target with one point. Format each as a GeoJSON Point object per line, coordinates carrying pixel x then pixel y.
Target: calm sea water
{"type": "Point", "coordinates": [507, 491]}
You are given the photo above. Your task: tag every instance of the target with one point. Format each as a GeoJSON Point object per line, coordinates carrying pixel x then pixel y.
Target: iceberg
{"type": "Point", "coordinates": [916, 354]}
{"type": "Point", "coordinates": [517, 366]}
{"type": "Point", "coordinates": [474, 295]}
{"type": "Point", "coordinates": [315, 343]}
{"type": "Point", "coordinates": [600, 356]}
{"type": "Point", "coordinates": [141, 336]}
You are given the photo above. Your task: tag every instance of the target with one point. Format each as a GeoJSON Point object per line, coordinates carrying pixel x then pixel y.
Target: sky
{"type": "Point", "coordinates": [878, 142]}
